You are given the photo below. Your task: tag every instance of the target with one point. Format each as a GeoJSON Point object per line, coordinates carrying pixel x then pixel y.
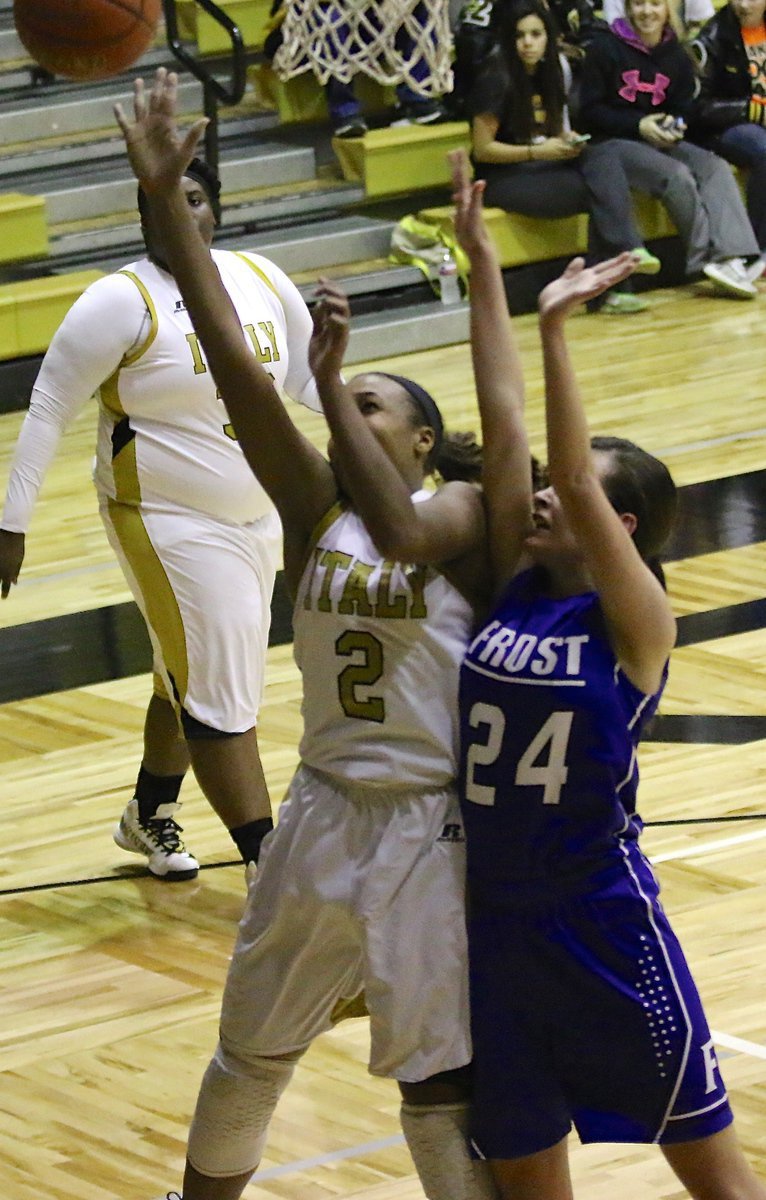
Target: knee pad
{"type": "Point", "coordinates": [437, 1138]}
{"type": "Point", "coordinates": [235, 1105]}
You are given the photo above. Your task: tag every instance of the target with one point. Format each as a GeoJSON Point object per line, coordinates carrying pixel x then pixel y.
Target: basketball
{"type": "Point", "coordinates": [86, 39]}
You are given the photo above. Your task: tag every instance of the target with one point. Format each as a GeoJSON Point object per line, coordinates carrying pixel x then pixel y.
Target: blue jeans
{"type": "Point", "coordinates": [745, 146]}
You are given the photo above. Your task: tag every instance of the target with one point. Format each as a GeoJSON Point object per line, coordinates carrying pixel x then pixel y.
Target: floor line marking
{"type": "Point", "coordinates": [707, 443]}
{"type": "Point", "coordinates": [707, 847]}
{"type": "Point", "coordinates": [740, 1044]}
{"type": "Point", "coordinates": [306, 1164]}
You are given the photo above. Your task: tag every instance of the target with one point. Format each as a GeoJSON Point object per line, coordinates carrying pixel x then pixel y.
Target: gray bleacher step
{"type": "Point", "coordinates": [98, 191]}
{"type": "Point", "coordinates": [27, 167]}
{"type": "Point", "coordinates": [10, 46]}
{"type": "Point", "coordinates": [43, 115]}
{"type": "Point", "coordinates": [404, 330]}
{"type": "Point", "coordinates": [321, 244]}
{"type": "Point", "coordinates": [19, 76]}
{"type": "Point", "coordinates": [378, 281]}
{"type": "Point", "coordinates": [305, 247]}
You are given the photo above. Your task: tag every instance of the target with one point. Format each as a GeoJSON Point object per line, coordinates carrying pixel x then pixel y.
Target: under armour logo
{"type": "Point", "coordinates": [180, 306]}
{"type": "Point", "coordinates": [632, 85]}
{"type": "Point", "coordinates": [451, 833]}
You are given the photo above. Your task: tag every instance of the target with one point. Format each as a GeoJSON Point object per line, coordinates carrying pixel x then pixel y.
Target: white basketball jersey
{"type": "Point", "coordinates": [379, 645]}
{"type": "Point", "coordinates": [164, 435]}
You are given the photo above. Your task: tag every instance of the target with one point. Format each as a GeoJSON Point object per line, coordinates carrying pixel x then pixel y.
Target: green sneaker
{"type": "Point", "coordinates": [647, 263]}
{"type": "Point", "coordinates": [620, 304]}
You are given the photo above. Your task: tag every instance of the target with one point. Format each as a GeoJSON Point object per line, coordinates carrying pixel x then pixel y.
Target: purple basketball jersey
{"type": "Point", "coordinates": [583, 1008]}
{"type": "Point", "coordinates": [549, 729]}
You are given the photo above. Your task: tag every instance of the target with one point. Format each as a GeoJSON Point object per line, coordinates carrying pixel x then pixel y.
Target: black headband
{"type": "Point", "coordinates": [209, 181]}
{"type": "Point", "coordinates": [425, 403]}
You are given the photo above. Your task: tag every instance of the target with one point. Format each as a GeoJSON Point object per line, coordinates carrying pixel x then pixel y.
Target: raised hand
{"type": "Point", "coordinates": [331, 329]}
{"type": "Point", "coordinates": [158, 153]}
{"type": "Point", "coordinates": [579, 283]}
{"type": "Point", "coordinates": [468, 200]}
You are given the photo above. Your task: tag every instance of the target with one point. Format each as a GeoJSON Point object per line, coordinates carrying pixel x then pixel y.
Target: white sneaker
{"type": "Point", "coordinates": [158, 840]}
{"type": "Point", "coordinates": [756, 269]}
{"type": "Point", "coordinates": [731, 278]}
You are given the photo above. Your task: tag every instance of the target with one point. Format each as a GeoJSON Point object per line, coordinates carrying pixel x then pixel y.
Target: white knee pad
{"type": "Point", "coordinates": [437, 1139]}
{"type": "Point", "coordinates": [234, 1107]}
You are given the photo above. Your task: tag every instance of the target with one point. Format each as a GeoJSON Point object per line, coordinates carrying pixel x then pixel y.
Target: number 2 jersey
{"type": "Point", "coordinates": [379, 645]}
{"type": "Point", "coordinates": [549, 730]}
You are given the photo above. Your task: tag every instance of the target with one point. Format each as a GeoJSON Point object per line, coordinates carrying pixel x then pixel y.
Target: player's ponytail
{"type": "Point", "coordinates": [459, 457]}
{"type": "Point", "coordinates": [639, 483]}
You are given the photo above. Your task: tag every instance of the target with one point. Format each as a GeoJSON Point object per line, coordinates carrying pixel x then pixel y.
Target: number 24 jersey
{"type": "Point", "coordinates": [549, 730]}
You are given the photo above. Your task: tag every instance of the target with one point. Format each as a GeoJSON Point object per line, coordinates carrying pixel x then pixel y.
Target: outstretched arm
{"type": "Point", "coordinates": [296, 477]}
{"type": "Point", "coordinates": [637, 610]}
{"type": "Point", "coordinates": [506, 467]}
{"type": "Point", "coordinates": [449, 526]}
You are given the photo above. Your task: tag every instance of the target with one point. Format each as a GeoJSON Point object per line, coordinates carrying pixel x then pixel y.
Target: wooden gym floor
{"type": "Point", "coordinates": [112, 980]}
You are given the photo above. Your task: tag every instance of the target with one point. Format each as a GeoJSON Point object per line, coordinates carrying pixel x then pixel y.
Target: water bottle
{"type": "Point", "coordinates": [449, 282]}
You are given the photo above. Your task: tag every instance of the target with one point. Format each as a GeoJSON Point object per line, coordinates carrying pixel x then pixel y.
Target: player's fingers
{"type": "Point", "coordinates": [193, 135]}
{"type": "Point", "coordinates": [157, 90]}
{"type": "Point", "coordinates": [121, 119]}
{"type": "Point", "coordinates": [170, 93]}
{"type": "Point", "coordinates": [139, 100]}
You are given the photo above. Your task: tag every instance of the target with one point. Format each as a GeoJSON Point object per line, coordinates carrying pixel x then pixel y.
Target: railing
{"type": "Point", "coordinates": [214, 92]}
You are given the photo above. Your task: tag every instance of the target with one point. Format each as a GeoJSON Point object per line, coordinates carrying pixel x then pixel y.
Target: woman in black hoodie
{"type": "Point", "coordinates": [638, 89]}
{"type": "Point", "coordinates": [731, 50]}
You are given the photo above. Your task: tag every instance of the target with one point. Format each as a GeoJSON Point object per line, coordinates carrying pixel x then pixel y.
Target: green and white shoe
{"type": "Point", "coordinates": [648, 264]}
{"type": "Point", "coordinates": [622, 304]}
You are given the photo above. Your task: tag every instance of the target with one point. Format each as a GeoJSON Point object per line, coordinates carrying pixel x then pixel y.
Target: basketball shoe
{"type": "Point", "coordinates": [731, 278]}
{"type": "Point", "coordinates": [158, 840]}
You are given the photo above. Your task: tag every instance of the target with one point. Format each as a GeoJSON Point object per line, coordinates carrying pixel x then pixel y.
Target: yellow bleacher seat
{"type": "Point", "coordinates": [302, 98]}
{"type": "Point", "coordinates": [521, 240]}
{"type": "Point", "coordinates": [23, 227]}
{"type": "Point", "coordinates": [32, 310]}
{"type": "Point", "coordinates": [405, 159]}
{"type": "Point", "coordinates": [250, 17]}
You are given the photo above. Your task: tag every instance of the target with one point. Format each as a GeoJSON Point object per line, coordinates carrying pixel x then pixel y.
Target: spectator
{"type": "Point", "coordinates": [637, 94]}
{"type": "Point", "coordinates": [532, 162]}
{"type": "Point", "coordinates": [692, 14]}
{"type": "Point", "coordinates": [731, 50]}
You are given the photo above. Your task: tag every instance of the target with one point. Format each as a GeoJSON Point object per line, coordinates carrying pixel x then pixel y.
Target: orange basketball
{"type": "Point", "coordinates": [86, 39]}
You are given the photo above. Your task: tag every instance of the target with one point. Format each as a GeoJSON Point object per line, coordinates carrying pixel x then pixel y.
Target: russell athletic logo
{"type": "Point", "coordinates": [451, 833]}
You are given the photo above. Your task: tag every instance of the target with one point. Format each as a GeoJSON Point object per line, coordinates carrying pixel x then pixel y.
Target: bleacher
{"type": "Point", "coordinates": [67, 196]}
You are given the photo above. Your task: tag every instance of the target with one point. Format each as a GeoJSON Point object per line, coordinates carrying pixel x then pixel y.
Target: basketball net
{"type": "Point", "coordinates": [385, 40]}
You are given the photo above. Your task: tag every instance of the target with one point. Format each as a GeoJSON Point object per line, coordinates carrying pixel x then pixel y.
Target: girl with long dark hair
{"type": "Point", "coordinates": [532, 161]}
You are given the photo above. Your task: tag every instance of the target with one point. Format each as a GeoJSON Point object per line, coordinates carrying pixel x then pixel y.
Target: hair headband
{"type": "Point", "coordinates": [425, 403]}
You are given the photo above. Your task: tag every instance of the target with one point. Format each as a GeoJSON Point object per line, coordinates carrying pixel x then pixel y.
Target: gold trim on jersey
{"type": "Point", "coordinates": [127, 485]}
{"type": "Point", "coordinates": [160, 604]}
{"type": "Point", "coordinates": [323, 524]}
{"type": "Point", "coordinates": [335, 511]}
{"type": "Point", "coordinates": [261, 274]}
{"type": "Point", "coordinates": [134, 355]}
